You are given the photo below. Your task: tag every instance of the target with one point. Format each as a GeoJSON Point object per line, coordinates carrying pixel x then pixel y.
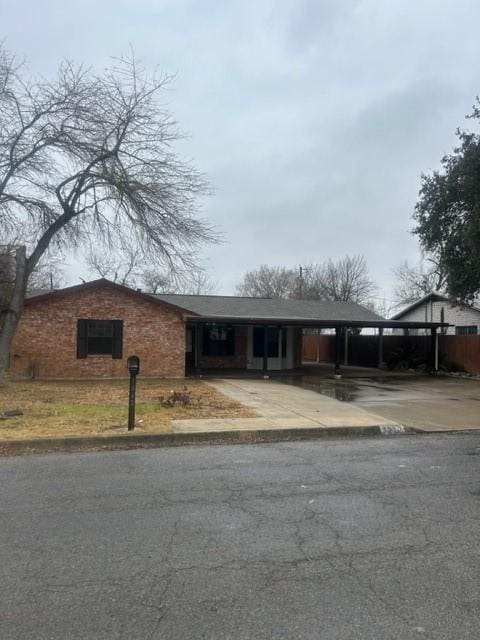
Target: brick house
{"type": "Point", "coordinates": [90, 329]}
{"type": "Point", "coordinates": [435, 307]}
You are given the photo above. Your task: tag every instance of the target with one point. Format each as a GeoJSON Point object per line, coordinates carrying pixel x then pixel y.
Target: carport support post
{"type": "Point", "coordinates": [434, 349]}
{"type": "Point", "coordinates": [196, 347]}
{"type": "Point", "coordinates": [265, 350]}
{"type": "Point", "coordinates": [380, 348]}
{"type": "Point", "coordinates": [338, 351]}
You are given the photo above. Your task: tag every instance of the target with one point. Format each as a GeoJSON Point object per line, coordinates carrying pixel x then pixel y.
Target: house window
{"type": "Point", "coordinates": [467, 330]}
{"type": "Point", "coordinates": [99, 337]}
{"type": "Point", "coordinates": [218, 340]}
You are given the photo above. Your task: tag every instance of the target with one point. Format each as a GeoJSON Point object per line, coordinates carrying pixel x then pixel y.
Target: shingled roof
{"type": "Point", "coordinates": [271, 308]}
{"type": "Point", "coordinates": [237, 310]}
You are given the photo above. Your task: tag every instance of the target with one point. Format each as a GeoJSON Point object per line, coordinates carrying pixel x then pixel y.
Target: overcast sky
{"type": "Point", "coordinates": [313, 120]}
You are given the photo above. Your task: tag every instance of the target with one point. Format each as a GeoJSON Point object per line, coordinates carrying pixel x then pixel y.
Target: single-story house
{"type": "Point", "coordinates": [90, 330]}
{"type": "Point", "coordinates": [463, 320]}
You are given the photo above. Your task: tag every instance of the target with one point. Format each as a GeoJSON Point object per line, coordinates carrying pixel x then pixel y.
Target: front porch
{"type": "Point", "coordinates": [242, 347]}
{"type": "Point", "coordinates": [228, 349]}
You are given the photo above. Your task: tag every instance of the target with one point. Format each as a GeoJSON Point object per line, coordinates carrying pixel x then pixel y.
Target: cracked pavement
{"type": "Point", "coordinates": [347, 539]}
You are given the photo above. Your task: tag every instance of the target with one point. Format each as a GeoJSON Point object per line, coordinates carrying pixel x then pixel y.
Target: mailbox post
{"type": "Point", "coordinates": [133, 365]}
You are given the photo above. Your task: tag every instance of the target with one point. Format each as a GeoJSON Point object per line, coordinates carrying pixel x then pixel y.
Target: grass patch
{"type": "Point", "coordinates": [64, 408]}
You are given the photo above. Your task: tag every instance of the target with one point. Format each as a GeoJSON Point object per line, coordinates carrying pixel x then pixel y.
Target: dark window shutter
{"type": "Point", "coordinates": [117, 350]}
{"type": "Point", "coordinates": [82, 338]}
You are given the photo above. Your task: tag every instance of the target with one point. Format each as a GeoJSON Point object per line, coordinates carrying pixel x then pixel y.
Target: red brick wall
{"type": "Point", "coordinates": [45, 344]}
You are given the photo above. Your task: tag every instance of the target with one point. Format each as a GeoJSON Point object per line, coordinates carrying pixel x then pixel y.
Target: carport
{"type": "Point", "coordinates": [342, 336]}
{"type": "Point", "coordinates": [265, 334]}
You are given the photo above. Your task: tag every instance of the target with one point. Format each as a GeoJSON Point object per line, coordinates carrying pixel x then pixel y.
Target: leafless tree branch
{"type": "Point", "coordinates": [91, 155]}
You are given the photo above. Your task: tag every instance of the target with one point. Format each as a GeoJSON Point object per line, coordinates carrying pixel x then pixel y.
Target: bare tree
{"type": "Point", "coordinates": [124, 269]}
{"type": "Point", "coordinates": [90, 155]}
{"type": "Point", "coordinates": [48, 274]}
{"type": "Point", "coordinates": [414, 282]}
{"type": "Point", "coordinates": [268, 282]}
{"type": "Point", "coordinates": [195, 282]}
{"type": "Point", "coordinates": [130, 270]}
{"type": "Point", "coordinates": [7, 276]}
{"type": "Point", "coordinates": [154, 281]}
{"type": "Point", "coordinates": [199, 283]}
{"type": "Point", "coordinates": [347, 280]}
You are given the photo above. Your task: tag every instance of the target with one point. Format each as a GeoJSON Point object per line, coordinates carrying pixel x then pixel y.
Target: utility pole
{"type": "Point", "coordinates": [301, 281]}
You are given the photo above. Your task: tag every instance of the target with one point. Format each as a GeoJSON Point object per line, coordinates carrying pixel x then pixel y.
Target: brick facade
{"type": "Point", "coordinates": [45, 344]}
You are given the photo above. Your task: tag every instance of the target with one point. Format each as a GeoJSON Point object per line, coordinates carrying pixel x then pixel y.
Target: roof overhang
{"type": "Point", "coordinates": [309, 323]}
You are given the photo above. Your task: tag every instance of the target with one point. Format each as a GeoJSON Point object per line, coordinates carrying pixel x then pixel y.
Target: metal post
{"type": "Point", "coordinates": [131, 401]}
{"type": "Point", "coordinates": [196, 347]}
{"type": "Point", "coordinates": [345, 350]}
{"type": "Point", "coordinates": [133, 365]}
{"type": "Point", "coordinates": [265, 349]}
{"type": "Point", "coordinates": [380, 348]}
{"type": "Point", "coordinates": [338, 351]}
{"type": "Point", "coordinates": [434, 349]}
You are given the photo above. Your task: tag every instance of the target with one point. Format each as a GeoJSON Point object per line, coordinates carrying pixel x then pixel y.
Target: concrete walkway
{"type": "Point", "coordinates": [281, 406]}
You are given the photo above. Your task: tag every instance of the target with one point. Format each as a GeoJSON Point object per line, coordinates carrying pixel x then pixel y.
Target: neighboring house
{"type": "Point", "coordinates": [435, 307]}
{"type": "Point", "coordinates": [90, 329]}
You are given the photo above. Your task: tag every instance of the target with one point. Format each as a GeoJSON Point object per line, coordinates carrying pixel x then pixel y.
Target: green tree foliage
{"type": "Point", "coordinates": [448, 215]}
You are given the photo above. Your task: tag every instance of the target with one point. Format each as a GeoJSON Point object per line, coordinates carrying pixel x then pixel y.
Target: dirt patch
{"type": "Point", "coordinates": [64, 408]}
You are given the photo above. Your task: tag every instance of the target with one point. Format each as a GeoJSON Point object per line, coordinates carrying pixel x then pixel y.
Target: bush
{"type": "Point", "coordinates": [407, 356]}
{"type": "Point", "coordinates": [181, 398]}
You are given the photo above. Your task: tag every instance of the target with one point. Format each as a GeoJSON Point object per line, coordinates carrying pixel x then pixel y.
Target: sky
{"type": "Point", "coordinates": [312, 120]}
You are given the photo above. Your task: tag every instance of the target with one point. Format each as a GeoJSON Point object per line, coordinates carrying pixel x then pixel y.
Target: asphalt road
{"type": "Point", "coordinates": [354, 539]}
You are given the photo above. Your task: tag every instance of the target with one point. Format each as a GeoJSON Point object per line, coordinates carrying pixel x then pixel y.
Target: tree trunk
{"type": "Point", "coordinates": [12, 314]}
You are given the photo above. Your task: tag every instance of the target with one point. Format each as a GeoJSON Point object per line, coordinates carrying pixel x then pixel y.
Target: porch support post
{"type": "Point", "coordinates": [380, 348]}
{"type": "Point", "coordinates": [265, 349]}
{"type": "Point", "coordinates": [196, 352]}
{"type": "Point", "coordinates": [345, 350]}
{"type": "Point", "coordinates": [434, 349]}
{"type": "Point", "coordinates": [338, 351]}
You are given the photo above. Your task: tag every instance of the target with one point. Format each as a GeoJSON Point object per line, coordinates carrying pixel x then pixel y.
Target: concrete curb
{"type": "Point", "coordinates": [144, 441]}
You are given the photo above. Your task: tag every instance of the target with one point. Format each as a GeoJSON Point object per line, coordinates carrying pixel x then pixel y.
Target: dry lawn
{"type": "Point", "coordinates": [100, 407]}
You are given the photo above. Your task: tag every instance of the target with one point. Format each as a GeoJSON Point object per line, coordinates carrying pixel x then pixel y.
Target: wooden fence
{"type": "Point", "coordinates": [461, 351]}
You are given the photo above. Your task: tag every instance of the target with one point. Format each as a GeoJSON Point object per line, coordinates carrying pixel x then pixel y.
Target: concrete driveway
{"type": "Point", "coordinates": [426, 403]}
{"type": "Point", "coordinates": [361, 398]}
{"type": "Point", "coordinates": [281, 406]}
